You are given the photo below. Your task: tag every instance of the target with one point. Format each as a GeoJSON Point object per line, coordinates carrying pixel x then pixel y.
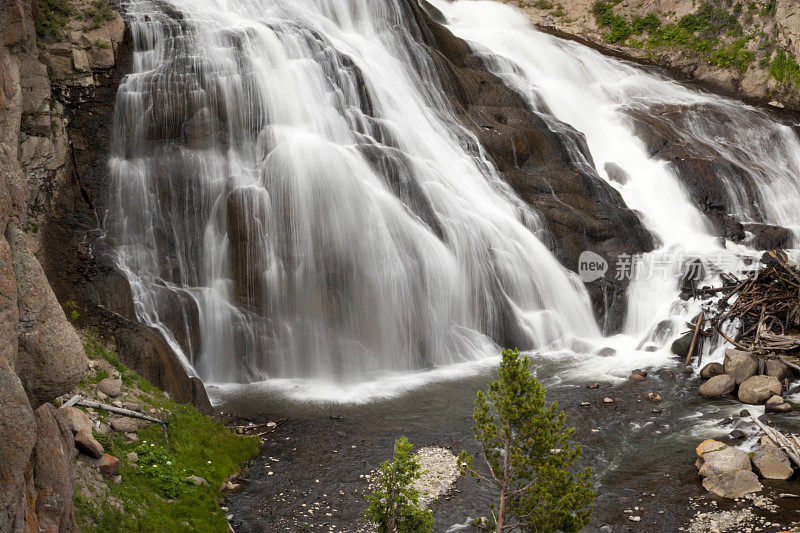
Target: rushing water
{"type": "Point", "coordinates": [295, 200]}
{"type": "Point", "coordinates": [282, 166]}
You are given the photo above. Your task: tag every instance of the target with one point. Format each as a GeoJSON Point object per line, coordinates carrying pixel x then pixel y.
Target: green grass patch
{"type": "Point", "coordinates": [51, 22]}
{"type": "Point", "coordinates": [784, 68]}
{"type": "Point", "coordinates": [712, 32]}
{"type": "Point", "coordinates": [153, 491]}
{"type": "Point", "coordinates": [97, 14]}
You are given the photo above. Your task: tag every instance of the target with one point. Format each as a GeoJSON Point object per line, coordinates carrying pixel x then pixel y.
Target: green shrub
{"type": "Point", "coordinates": [51, 22]}
{"type": "Point", "coordinates": [528, 451]}
{"type": "Point", "coordinates": [394, 504]}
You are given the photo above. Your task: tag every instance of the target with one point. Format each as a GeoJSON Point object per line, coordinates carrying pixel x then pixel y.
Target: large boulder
{"type": "Point", "coordinates": [53, 455]}
{"type": "Point", "coordinates": [740, 365]}
{"type": "Point", "coordinates": [728, 459]}
{"type": "Point", "coordinates": [717, 386]}
{"type": "Point", "coordinates": [51, 360]}
{"type": "Point", "coordinates": [758, 389]}
{"type": "Point", "coordinates": [733, 484]}
{"type": "Point", "coordinates": [772, 463]}
{"type": "Point", "coordinates": [17, 438]}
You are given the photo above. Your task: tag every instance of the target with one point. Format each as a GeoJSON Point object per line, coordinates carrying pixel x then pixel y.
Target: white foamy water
{"type": "Point", "coordinates": [294, 200]}
{"type": "Point", "coordinates": [595, 94]}
{"type": "Point", "coordinates": [284, 170]}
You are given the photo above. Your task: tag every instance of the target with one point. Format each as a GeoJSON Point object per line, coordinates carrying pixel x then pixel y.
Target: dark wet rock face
{"type": "Point", "coordinates": [719, 185]}
{"type": "Point", "coordinates": [552, 172]}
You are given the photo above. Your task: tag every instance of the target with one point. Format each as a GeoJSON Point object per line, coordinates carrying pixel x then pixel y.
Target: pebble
{"type": "Point", "coordinates": [608, 400]}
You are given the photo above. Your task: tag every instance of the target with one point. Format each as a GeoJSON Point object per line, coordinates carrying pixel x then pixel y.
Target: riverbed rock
{"type": "Point", "coordinates": [728, 459]}
{"type": "Point", "coordinates": [717, 386]}
{"type": "Point", "coordinates": [772, 463]}
{"type": "Point", "coordinates": [776, 368]}
{"type": "Point", "coordinates": [758, 389]}
{"type": "Point", "coordinates": [86, 443]}
{"type": "Point", "coordinates": [638, 375]}
{"type": "Point", "coordinates": [111, 387]}
{"type": "Point", "coordinates": [740, 365]}
{"type": "Point", "coordinates": [711, 370]}
{"type": "Point", "coordinates": [734, 484]}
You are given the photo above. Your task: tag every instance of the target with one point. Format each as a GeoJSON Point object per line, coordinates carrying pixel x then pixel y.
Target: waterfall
{"type": "Point", "coordinates": [293, 197]}
{"type": "Point", "coordinates": [754, 158]}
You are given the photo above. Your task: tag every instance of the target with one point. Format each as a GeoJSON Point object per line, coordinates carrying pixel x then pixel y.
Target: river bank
{"type": "Point", "coordinates": [642, 453]}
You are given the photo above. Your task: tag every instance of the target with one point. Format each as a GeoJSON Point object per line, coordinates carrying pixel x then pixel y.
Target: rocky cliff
{"type": "Point", "coordinates": [745, 49]}
{"type": "Point", "coordinates": [60, 64]}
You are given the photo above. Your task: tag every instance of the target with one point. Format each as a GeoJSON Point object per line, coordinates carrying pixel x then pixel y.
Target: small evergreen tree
{"type": "Point", "coordinates": [529, 455]}
{"type": "Point", "coordinates": [394, 504]}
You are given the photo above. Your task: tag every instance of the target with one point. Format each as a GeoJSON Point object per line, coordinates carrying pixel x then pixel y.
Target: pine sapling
{"type": "Point", "coordinates": [393, 506]}
{"type": "Point", "coordinates": [530, 458]}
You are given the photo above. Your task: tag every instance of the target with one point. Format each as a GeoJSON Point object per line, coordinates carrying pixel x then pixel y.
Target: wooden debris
{"type": "Point", "coordinates": [789, 445]}
{"type": "Point", "coordinates": [119, 411]}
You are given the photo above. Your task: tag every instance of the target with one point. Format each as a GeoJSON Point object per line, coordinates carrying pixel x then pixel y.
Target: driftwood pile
{"type": "Point", "coordinates": [767, 305]}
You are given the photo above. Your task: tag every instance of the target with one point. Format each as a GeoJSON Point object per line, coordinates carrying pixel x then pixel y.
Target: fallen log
{"type": "Point", "coordinates": [694, 338]}
{"type": "Point", "coordinates": [115, 409]}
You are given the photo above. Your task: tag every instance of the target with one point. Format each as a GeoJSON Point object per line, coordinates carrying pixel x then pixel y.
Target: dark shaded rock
{"type": "Point", "coordinates": [551, 172]}
{"type": "Point", "coordinates": [766, 237]}
{"type": "Point", "coordinates": [738, 434]}
{"type": "Point", "coordinates": [681, 345]}
{"type": "Point", "coordinates": [704, 172]}
{"type": "Point", "coordinates": [665, 373]}
{"type": "Point", "coordinates": [711, 370]}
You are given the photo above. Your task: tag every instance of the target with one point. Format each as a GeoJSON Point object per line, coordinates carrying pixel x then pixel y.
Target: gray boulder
{"type": "Point", "coordinates": [740, 365]}
{"type": "Point", "coordinates": [111, 387]}
{"type": "Point", "coordinates": [717, 386]}
{"type": "Point", "coordinates": [758, 389]}
{"type": "Point", "coordinates": [729, 459]}
{"type": "Point", "coordinates": [776, 368]}
{"type": "Point", "coordinates": [711, 370]}
{"type": "Point", "coordinates": [17, 438]}
{"type": "Point", "coordinates": [772, 463]}
{"type": "Point", "coordinates": [735, 484]}
{"type": "Point", "coordinates": [51, 360]}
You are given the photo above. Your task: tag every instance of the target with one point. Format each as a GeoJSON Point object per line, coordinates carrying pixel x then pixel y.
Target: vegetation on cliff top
{"type": "Point", "coordinates": [154, 492]}
{"type": "Point", "coordinates": [725, 35]}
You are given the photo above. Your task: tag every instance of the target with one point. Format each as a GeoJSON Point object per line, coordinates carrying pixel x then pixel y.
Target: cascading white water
{"type": "Point", "coordinates": [595, 95]}
{"type": "Point", "coordinates": [282, 167]}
